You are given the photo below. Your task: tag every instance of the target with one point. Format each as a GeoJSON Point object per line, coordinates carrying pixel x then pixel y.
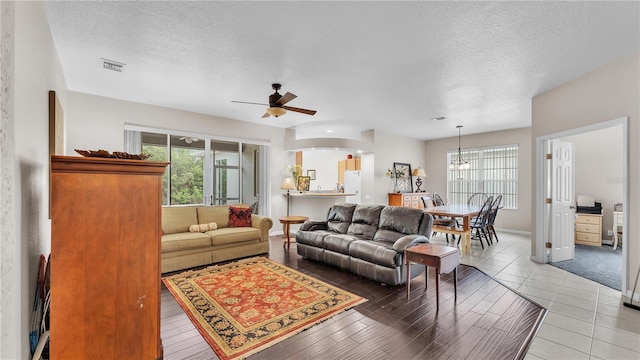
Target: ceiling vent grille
{"type": "Point", "coordinates": [112, 65]}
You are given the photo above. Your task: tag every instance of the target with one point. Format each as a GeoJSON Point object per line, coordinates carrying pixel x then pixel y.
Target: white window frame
{"type": "Point", "coordinates": [461, 184]}
{"type": "Point", "coordinates": [133, 144]}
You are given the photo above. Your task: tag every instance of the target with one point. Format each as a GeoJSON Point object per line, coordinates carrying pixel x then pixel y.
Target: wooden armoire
{"type": "Point", "coordinates": [105, 258]}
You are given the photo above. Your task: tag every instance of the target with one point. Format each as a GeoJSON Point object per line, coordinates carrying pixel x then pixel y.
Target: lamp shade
{"type": "Point", "coordinates": [288, 184]}
{"type": "Point", "coordinates": [419, 172]}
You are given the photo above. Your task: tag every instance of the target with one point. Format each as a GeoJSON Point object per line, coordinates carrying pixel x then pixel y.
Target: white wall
{"type": "Point", "coordinates": [436, 167]}
{"type": "Point", "coordinates": [36, 70]}
{"type": "Point", "coordinates": [96, 122]}
{"type": "Point", "coordinates": [608, 93]}
{"type": "Point", "coordinates": [325, 162]}
{"type": "Point", "coordinates": [599, 173]}
{"type": "Point", "coordinates": [388, 149]}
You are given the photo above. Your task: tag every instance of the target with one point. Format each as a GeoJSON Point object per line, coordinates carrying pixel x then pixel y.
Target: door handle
{"type": "Point", "coordinates": [571, 207]}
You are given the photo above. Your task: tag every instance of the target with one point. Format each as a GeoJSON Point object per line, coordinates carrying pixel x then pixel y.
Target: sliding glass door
{"type": "Point", "coordinates": [225, 160]}
{"type": "Point", "coordinates": [204, 170]}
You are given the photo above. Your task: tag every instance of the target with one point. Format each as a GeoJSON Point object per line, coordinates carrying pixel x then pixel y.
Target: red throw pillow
{"type": "Point", "coordinates": [239, 217]}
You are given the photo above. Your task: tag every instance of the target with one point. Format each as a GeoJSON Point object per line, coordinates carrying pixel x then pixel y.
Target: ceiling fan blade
{"type": "Point", "coordinates": [304, 111]}
{"type": "Point", "coordinates": [252, 103]}
{"type": "Point", "coordinates": [266, 115]}
{"type": "Point", "coordinates": [286, 98]}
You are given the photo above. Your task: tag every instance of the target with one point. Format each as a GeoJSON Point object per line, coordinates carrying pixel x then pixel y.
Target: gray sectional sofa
{"type": "Point", "coordinates": [368, 240]}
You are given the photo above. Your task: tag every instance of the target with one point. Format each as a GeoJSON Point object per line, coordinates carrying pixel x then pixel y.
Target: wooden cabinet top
{"type": "Point", "coordinates": [105, 165]}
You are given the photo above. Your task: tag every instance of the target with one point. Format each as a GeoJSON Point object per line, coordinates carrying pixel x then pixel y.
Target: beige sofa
{"type": "Point", "coordinates": [182, 249]}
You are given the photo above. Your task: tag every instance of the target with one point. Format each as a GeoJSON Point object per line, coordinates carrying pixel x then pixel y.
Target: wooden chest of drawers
{"type": "Point", "coordinates": [588, 229]}
{"type": "Point", "coordinates": [413, 200]}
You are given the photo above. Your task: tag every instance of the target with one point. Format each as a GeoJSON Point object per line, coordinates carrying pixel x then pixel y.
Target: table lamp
{"type": "Point", "coordinates": [288, 184]}
{"type": "Point", "coordinates": [419, 172]}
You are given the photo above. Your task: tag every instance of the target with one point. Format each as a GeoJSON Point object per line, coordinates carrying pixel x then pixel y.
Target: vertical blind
{"type": "Point", "coordinates": [493, 171]}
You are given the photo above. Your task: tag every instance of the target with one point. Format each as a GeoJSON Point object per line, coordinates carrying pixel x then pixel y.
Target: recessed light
{"type": "Point", "coordinates": [329, 131]}
{"type": "Point", "coordinates": [439, 118]}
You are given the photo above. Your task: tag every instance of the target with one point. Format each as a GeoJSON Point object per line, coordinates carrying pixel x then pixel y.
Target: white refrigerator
{"type": "Point", "coordinates": [352, 185]}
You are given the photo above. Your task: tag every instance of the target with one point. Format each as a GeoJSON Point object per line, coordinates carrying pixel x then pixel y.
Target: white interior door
{"type": "Point", "coordinates": [561, 230]}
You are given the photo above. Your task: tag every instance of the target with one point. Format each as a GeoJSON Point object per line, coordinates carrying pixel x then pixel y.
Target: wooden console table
{"type": "Point", "coordinates": [412, 200]}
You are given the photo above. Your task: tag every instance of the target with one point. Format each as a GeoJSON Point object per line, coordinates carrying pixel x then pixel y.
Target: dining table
{"type": "Point", "coordinates": [463, 211]}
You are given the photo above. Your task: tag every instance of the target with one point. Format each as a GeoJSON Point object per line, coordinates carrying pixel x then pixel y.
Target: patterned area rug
{"type": "Point", "coordinates": [246, 306]}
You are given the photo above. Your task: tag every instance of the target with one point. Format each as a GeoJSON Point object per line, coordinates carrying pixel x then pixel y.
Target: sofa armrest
{"type": "Point", "coordinates": [409, 241]}
{"type": "Point", "coordinates": [311, 225]}
{"type": "Point", "coordinates": [263, 223]}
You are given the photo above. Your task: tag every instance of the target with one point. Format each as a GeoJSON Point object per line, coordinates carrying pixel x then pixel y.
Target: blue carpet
{"type": "Point", "coordinates": [600, 264]}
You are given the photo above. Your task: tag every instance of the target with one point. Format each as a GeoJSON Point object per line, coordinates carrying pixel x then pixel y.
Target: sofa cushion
{"type": "Point", "coordinates": [339, 217]}
{"type": "Point", "coordinates": [239, 217]}
{"type": "Point", "coordinates": [364, 222]}
{"type": "Point", "coordinates": [377, 252]}
{"type": "Point", "coordinates": [233, 235]}
{"type": "Point", "coordinates": [218, 214]}
{"type": "Point", "coordinates": [339, 243]}
{"type": "Point", "coordinates": [177, 219]}
{"type": "Point", "coordinates": [183, 241]}
{"type": "Point", "coordinates": [203, 227]}
{"type": "Point", "coordinates": [401, 219]}
{"type": "Point", "coordinates": [312, 238]}
{"type": "Point", "coordinates": [387, 235]}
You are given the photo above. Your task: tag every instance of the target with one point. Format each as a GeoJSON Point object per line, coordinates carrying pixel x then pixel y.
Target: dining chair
{"type": "Point", "coordinates": [479, 223]}
{"type": "Point", "coordinates": [493, 213]}
{"type": "Point", "coordinates": [477, 199]}
{"type": "Point", "coordinates": [439, 219]}
{"type": "Point", "coordinates": [437, 200]}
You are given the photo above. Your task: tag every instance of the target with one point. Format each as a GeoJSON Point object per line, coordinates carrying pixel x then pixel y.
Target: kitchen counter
{"type": "Point", "coordinates": [315, 204]}
{"type": "Point", "coordinates": [319, 194]}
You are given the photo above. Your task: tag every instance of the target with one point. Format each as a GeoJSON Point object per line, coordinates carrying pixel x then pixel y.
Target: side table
{"type": "Point", "coordinates": [286, 222]}
{"type": "Point", "coordinates": [443, 258]}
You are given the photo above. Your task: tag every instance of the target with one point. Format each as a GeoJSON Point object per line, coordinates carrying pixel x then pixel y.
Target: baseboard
{"type": "Point", "coordinates": [510, 231]}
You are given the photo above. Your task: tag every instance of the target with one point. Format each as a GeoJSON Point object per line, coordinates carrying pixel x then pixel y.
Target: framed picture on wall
{"type": "Point", "coordinates": [402, 177]}
{"type": "Point", "coordinates": [303, 183]}
{"type": "Point", "coordinates": [311, 174]}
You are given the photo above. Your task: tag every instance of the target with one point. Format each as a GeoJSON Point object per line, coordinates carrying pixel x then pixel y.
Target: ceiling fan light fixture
{"type": "Point", "coordinates": [276, 111]}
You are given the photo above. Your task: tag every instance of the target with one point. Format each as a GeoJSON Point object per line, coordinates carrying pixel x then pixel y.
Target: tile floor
{"type": "Point", "coordinates": [586, 320]}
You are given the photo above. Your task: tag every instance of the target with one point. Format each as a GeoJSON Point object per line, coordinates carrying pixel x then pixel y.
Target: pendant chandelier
{"type": "Point", "coordinates": [459, 163]}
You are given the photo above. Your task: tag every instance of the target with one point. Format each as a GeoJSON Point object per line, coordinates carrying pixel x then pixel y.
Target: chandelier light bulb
{"type": "Point", "coordinates": [459, 163]}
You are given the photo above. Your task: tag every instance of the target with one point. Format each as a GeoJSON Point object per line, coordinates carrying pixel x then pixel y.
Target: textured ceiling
{"type": "Point", "coordinates": [362, 65]}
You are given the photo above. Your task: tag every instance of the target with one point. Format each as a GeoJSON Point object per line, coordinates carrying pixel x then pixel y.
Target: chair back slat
{"type": "Point", "coordinates": [437, 200]}
{"type": "Point", "coordinates": [477, 199]}
{"type": "Point", "coordinates": [493, 213]}
{"type": "Point", "coordinates": [483, 215]}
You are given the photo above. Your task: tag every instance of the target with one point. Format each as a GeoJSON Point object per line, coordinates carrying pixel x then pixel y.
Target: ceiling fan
{"type": "Point", "coordinates": [277, 104]}
{"type": "Point", "coordinates": [189, 139]}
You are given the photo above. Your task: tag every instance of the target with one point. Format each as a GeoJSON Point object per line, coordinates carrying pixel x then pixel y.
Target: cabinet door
{"type": "Point", "coordinates": [342, 166]}
{"type": "Point", "coordinates": [105, 266]}
{"type": "Point", "coordinates": [395, 199]}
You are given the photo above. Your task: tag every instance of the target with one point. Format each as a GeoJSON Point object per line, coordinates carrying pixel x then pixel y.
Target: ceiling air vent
{"type": "Point", "coordinates": [112, 65]}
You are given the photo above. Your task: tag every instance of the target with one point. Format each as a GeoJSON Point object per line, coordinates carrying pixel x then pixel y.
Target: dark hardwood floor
{"type": "Point", "coordinates": [488, 321]}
